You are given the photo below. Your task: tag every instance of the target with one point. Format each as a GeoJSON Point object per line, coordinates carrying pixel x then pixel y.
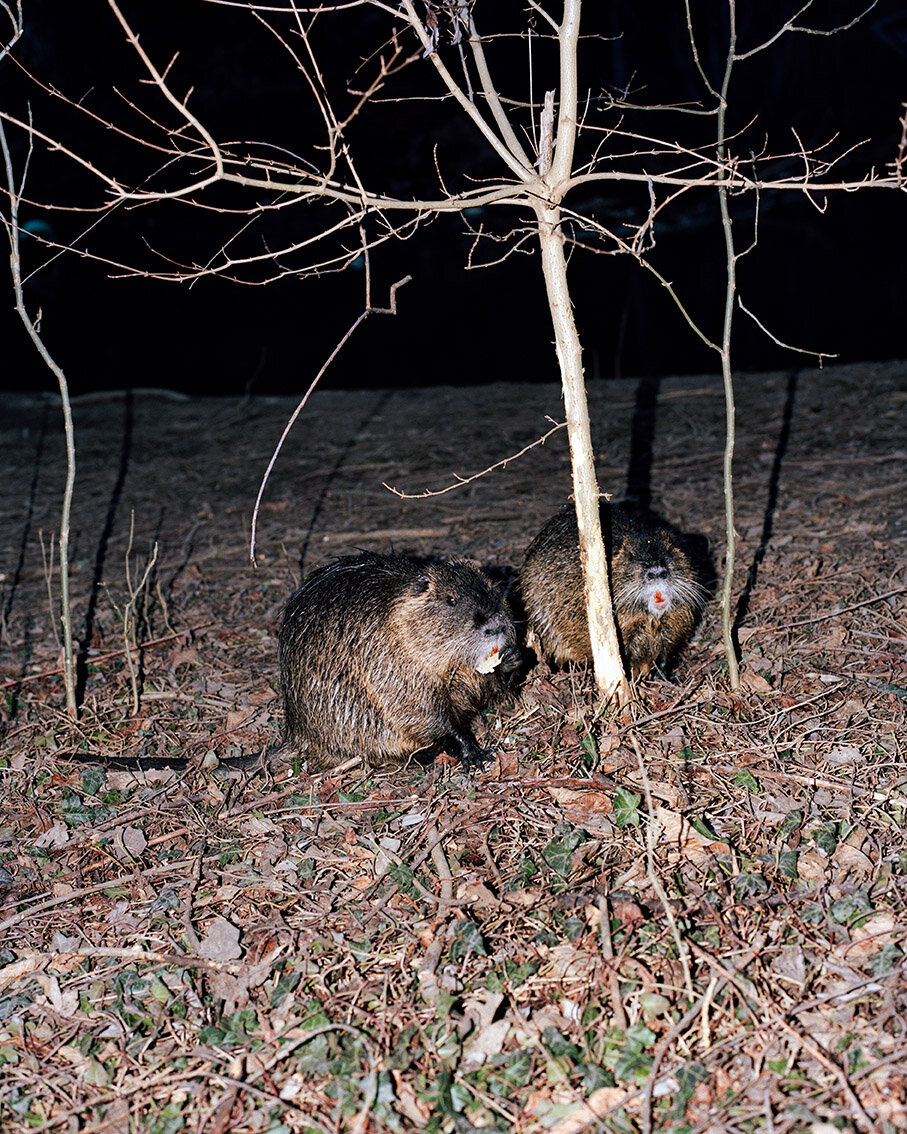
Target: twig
{"type": "Point", "coordinates": [730, 649]}
{"type": "Point", "coordinates": [462, 480]}
{"type": "Point", "coordinates": [773, 1019]}
{"type": "Point", "coordinates": [12, 232]}
{"type": "Point", "coordinates": [390, 310]}
{"type": "Point", "coordinates": [129, 608]}
{"type": "Point", "coordinates": [429, 986]}
{"type": "Point", "coordinates": [104, 657]}
{"type": "Point", "coordinates": [680, 1027]}
{"type": "Point", "coordinates": [652, 873]}
{"type": "Point", "coordinates": [842, 610]}
{"type": "Point", "coordinates": [617, 1004]}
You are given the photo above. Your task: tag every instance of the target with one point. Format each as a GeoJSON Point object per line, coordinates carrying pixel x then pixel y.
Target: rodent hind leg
{"type": "Point", "coordinates": [463, 744]}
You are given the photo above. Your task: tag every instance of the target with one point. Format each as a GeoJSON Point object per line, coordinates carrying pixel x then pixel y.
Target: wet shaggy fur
{"type": "Point", "coordinates": [656, 587]}
{"type": "Point", "coordinates": [379, 657]}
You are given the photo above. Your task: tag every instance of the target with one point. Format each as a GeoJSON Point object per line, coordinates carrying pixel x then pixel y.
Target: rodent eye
{"type": "Point", "coordinates": [451, 600]}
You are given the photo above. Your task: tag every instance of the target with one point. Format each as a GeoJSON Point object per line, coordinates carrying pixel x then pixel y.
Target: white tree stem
{"type": "Point", "coordinates": [609, 674]}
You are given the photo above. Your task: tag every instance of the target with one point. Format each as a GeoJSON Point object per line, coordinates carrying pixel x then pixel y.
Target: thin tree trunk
{"type": "Point", "coordinates": [730, 650]}
{"type": "Point", "coordinates": [32, 329]}
{"type": "Point", "coordinates": [555, 166]}
{"type": "Point", "coordinates": [609, 674]}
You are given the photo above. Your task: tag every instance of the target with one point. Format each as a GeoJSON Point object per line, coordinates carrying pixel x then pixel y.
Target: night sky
{"type": "Point", "coordinates": [833, 282]}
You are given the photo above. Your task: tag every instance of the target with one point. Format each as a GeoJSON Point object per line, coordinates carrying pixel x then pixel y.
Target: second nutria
{"type": "Point", "coordinates": [383, 656]}
{"type": "Point", "coordinates": [656, 588]}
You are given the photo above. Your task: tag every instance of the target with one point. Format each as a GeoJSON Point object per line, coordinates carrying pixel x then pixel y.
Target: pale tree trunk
{"type": "Point", "coordinates": [12, 230]}
{"type": "Point", "coordinates": [727, 589]}
{"type": "Point", "coordinates": [609, 674]}
{"type": "Point", "coordinates": [555, 166]}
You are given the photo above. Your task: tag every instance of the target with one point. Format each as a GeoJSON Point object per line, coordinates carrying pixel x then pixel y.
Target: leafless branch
{"type": "Point", "coordinates": [791, 26]}
{"type": "Point", "coordinates": [821, 355]}
{"type": "Point", "coordinates": [463, 480]}
{"type": "Point", "coordinates": [391, 309]}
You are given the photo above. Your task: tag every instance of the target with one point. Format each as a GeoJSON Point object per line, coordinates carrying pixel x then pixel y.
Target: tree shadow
{"type": "Point", "coordinates": [16, 574]}
{"type": "Point", "coordinates": [642, 435]}
{"type": "Point", "coordinates": [103, 545]}
{"type": "Point", "coordinates": [638, 495]}
{"type": "Point", "coordinates": [771, 505]}
{"type": "Point", "coordinates": [379, 404]}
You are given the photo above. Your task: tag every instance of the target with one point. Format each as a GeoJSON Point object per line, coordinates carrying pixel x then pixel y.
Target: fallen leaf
{"type": "Point", "coordinates": [591, 810]}
{"type": "Point", "coordinates": [589, 1112]}
{"type": "Point", "coordinates": [221, 942]}
{"type": "Point", "coordinates": [408, 1102]}
{"type": "Point", "coordinates": [683, 836]}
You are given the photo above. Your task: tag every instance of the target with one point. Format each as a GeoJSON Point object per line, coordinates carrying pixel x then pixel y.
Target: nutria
{"type": "Point", "coordinates": [657, 588]}
{"type": "Point", "coordinates": [384, 656]}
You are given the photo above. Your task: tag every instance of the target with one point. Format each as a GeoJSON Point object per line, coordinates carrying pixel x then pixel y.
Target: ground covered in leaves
{"type": "Point", "coordinates": [695, 922]}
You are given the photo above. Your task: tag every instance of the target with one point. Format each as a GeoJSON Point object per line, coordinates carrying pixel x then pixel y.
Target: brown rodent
{"type": "Point", "coordinates": [384, 656]}
{"type": "Point", "coordinates": [656, 587]}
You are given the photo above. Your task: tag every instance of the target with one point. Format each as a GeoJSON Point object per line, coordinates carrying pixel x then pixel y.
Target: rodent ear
{"type": "Point", "coordinates": [421, 585]}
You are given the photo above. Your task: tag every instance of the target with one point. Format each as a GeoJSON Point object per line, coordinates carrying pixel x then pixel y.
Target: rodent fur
{"type": "Point", "coordinates": [656, 581]}
{"type": "Point", "coordinates": [379, 656]}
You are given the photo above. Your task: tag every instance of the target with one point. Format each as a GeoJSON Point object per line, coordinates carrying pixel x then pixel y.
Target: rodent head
{"type": "Point", "coordinates": [454, 617]}
{"type": "Point", "coordinates": [646, 572]}
{"type": "Point", "coordinates": [652, 573]}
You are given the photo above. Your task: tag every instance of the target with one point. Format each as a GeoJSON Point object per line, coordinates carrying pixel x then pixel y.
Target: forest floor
{"type": "Point", "coordinates": [695, 922]}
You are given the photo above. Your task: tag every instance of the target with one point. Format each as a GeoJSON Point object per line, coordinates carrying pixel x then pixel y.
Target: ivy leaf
{"type": "Point", "coordinates": [559, 852]}
{"type": "Point", "coordinates": [626, 808]}
{"type": "Point", "coordinates": [792, 822]}
{"type": "Point", "coordinates": [467, 940]}
{"type": "Point", "coordinates": [745, 778]}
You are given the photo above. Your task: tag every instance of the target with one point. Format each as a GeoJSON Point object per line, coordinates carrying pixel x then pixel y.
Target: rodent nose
{"type": "Point", "coordinates": [653, 573]}
{"type": "Point", "coordinates": [494, 630]}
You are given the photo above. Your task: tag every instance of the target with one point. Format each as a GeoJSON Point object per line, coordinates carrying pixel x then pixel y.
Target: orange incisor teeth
{"type": "Point", "coordinates": [492, 659]}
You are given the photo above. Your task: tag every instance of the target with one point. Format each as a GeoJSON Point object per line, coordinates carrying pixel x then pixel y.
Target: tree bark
{"type": "Point", "coordinates": [609, 674]}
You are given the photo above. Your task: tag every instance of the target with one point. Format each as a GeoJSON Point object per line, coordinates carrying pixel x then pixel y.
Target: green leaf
{"type": "Point", "coordinates": [633, 1066]}
{"type": "Point", "coordinates": [703, 828]}
{"type": "Point", "coordinates": [826, 838]}
{"type": "Point", "coordinates": [460, 1097]}
{"type": "Point", "coordinates": [559, 1046]}
{"type": "Point", "coordinates": [595, 1077]}
{"type": "Point", "coordinates": [559, 852]}
{"type": "Point", "coordinates": [95, 1074]}
{"type": "Point", "coordinates": [350, 796]}
{"type": "Point", "coordinates": [748, 885]}
{"type": "Point", "coordinates": [812, 914]}
{"type": "Point", "coordinates": [886, 959]}
{"type": "Point", "coordinates": [518, 1069]}
{"type": "Point", "coordinates": [574, 928]}
{"type": "Point", "coordinates": [746, 779]}
{"type": "Point", "coordinates": [401, 873]}
{"type": "Point", "coordinates": [653, 1005]}
{"type": "Point", "coordinates": [626, 808]}
{"type": "Point", "coordinates": [793, 821]}
{"type": "Point", "coordinates": [640, 1035]}
{"type": "Point", "coordinates": [897, 690]}
{"type": "Point", "coordinates": [851, 909]}
{"type": "Point", "coordinates": [467, 940]}
{"type": "Point", "coordinates": [93, 781]}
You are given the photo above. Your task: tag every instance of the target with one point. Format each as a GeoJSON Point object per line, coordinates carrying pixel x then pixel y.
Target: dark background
{"type": "Point", "coordinates": [830, 281]}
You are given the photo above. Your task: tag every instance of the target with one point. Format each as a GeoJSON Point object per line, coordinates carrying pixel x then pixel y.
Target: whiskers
{"type": "Point", "coordinates": [673, 589]}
